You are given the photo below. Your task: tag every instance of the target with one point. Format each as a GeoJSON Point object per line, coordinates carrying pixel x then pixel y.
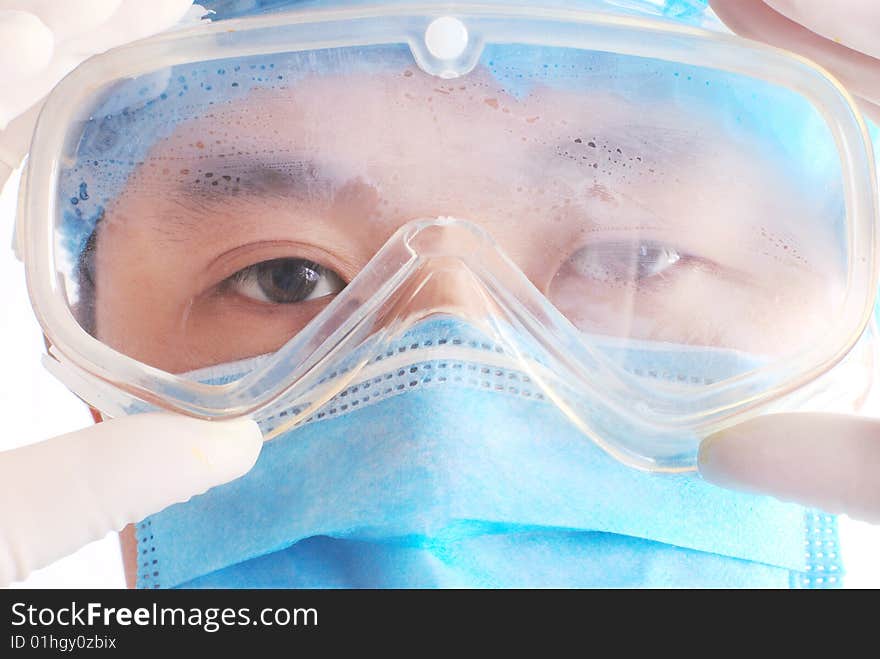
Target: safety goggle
{"type": "Point", "coordinates": [665, 228]}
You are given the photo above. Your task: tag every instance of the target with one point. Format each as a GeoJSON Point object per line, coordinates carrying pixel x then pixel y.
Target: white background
{"type": "Point", "coordinates": [35, 406]}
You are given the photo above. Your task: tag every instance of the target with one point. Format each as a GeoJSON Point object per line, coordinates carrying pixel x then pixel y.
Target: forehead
{"type": "Point", "coordinates": [571, 125]}
{"type": "Point", "coordinates": [405, 131]}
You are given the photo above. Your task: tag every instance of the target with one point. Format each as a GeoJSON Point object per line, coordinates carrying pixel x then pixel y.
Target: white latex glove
{"type": "Point", "coordinates": [41, 41]}
{"type": "Point", "coordinates": [828, 461]}
{"type": "Point", "coordinates": [60, 494]}
{"type": "Point", "coordinates": [843, 36]}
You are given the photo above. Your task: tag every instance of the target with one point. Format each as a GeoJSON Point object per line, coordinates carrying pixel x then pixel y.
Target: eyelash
{"type": "Point", "coordinates": [288, 281]}
{"type": "Point", "coordinates": [621, 263]}
{"type": "Point", "coordinates": [284, 281]}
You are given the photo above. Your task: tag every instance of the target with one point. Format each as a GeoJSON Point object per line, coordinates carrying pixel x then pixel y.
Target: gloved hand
{"type": "Point", "coordinates": [831, 462]}
{"type": "Point", "coordinates": [842, 36]}
{"type": "Point", "coordinates": [43, 40]}
{"type": "Point", "coordinates": [60, 494]}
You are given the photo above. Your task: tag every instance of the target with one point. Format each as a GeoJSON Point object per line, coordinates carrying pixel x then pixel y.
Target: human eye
{"type": "Point", "coordinates": [634, 262]}
{"type": "Point", "coordinates": [284, 281]}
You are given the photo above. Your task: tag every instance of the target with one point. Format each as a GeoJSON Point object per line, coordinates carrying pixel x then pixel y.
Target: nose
{"type": "Point", "coordinates": [448, 279]}
{"type": "Point", "coordinates": [442, 285]}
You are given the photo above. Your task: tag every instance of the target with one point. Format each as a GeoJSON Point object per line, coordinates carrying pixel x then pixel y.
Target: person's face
{"type": "Point", "coordinates": [629, 225]}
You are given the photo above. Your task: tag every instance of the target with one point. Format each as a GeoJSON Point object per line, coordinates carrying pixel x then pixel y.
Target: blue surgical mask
{"type": "Point", "coordinates": [448, 470]}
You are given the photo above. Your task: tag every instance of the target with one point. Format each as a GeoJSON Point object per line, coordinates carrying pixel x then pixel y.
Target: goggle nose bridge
{"type": "Point", "coordinates": [454, 263]}
{"type": "Point", "coordinates": [430, 266]}
{"type": "Point", "coordinates": [445, 236]}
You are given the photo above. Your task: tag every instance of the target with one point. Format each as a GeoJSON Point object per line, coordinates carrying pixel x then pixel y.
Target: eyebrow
{"type": "Point", "coordinates": [201, 186]}
{"type": "Point", "coordinates": [246, 176]}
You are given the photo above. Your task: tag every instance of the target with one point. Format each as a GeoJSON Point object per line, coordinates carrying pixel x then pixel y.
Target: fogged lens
{"type": "Point", "coordinates": [210, 211]}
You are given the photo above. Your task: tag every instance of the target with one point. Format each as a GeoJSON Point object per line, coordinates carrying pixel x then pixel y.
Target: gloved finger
{"type": "Point", "coordinates": [853, 23]}
{"type": "Point", "coordinates": [826, 461]}
{"type": "Point", "coordinates": [133, 20]}
{"type": "Point", "coordinates": [60, 494]}
{"type": "Point", "coordinates": [871, 110]}
{"type": "Point", "coordinates": [15, 138]}
{"type": "Point", "coordinates": [26, 46]}
{"type": "Point", "coordinates": [81, 29]}
{"type": "Point", "coordinates": [754, 19]}
{"type": "Point", "coordinates": [67, 17]}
